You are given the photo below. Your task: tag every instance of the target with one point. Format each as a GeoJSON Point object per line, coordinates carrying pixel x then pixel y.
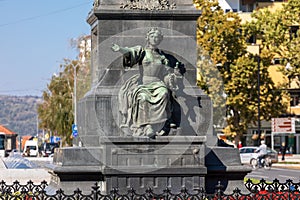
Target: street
{"type": "Point", "coordinates": [281, 174]}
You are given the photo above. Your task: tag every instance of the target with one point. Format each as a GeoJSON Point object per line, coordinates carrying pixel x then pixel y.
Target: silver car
{"type": "Point", "coordinates": [249, 152]}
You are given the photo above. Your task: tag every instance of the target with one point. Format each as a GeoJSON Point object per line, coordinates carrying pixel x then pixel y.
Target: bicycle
{"type": "Point", "coordinates": [266, 163]}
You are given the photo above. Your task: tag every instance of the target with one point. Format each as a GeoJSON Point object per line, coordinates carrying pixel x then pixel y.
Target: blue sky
{"type": "Point", "coordinates": [35, 37]}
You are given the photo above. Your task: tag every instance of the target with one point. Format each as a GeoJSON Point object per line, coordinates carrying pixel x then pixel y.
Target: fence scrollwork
{"type": "Point", "coordinates": [260, 190]}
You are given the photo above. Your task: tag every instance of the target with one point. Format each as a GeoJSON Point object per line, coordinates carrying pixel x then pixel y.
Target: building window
{"type": "Point", "coordinates": [250, 5]}
{"type": "Point", "coordinates": [293, 31]}
{"type": "Point", "coordinates": [277, 61]}
{"type": "Point", "coordinates": [251, 40]}
{"type": "Point", "coordinates": [294, 101]}
{"type": "Point", "coordinates": [295, 98]}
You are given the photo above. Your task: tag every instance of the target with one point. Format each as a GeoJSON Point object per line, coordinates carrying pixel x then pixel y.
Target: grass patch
{"type": "Point", "coordinates": [256, 181]}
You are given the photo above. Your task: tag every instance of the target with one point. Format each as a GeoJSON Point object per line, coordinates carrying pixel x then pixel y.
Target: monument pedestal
{"type": "Point", "coordinates": [224, 167]}
{"type": "Point", "coordinates": [75, 167]}
{"type": "Point", "coordinates": [141, 163]}
{"type": "Point", "coordinates": [133, 162]}
{"type": "Point", "coordinates": [110, 155]}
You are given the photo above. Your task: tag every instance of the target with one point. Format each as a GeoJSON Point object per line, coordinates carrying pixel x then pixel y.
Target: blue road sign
{"type": "Point", "coordinates": [74, 130]}
{"type": "Point", "coordinates": [54, 139]}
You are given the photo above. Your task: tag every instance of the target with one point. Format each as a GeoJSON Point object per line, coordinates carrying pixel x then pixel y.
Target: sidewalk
{"type": "Point", "coordinates": [291, 162]}
{"type": "Point", "coordinates": [23, 175]}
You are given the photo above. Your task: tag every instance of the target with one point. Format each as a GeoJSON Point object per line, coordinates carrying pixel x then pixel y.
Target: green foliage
{"type": "Point", "coordinates": [275, 31]}
{"type": "Point", "coordinates": [290, 48]}
{"type": "Point", "coordinates": [224, 38]}
{"type": "Point", "coordinates": [56, 113]}
{"type": "Point", "coordinates": [57, 110]}
{"type": "Point", "coordinates": [219, 33]}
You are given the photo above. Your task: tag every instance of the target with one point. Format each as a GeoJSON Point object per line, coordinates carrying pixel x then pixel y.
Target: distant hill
{"type": "Point", "coordinates": [19, 113]}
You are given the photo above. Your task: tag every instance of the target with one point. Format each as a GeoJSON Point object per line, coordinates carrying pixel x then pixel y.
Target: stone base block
{"type": "Point", "coordinates": [132, 162]}
{"type": "Point", "coordinates": [224, 167]}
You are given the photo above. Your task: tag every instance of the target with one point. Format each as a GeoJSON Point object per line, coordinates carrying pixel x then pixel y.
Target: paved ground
{"type": "Point", "coordinates": [290, 162]}
{"type": "Point", "coordinates": [37, 175]}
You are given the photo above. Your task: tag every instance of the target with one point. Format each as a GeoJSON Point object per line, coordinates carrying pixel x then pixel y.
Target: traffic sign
{"type": "Point", "coordinates": [283, 125]}
{"type": "Point", "coordinates": [74, 130]}
{"type": "Point", "coordinates": [54, 139]}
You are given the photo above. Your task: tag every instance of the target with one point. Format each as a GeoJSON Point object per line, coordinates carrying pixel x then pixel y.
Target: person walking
{"type": "Point", "coordinates": [283, 150]}
{"type": "Point", "coordinates": [240, 145]}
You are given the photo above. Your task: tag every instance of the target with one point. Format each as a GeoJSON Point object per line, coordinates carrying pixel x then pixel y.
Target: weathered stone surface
{"type": "Point", "coordinates": [133, 162]}
{"type": "Point", "coordinates": [110, 154]}
{"type": "Point", "coordinates": [224, 167]}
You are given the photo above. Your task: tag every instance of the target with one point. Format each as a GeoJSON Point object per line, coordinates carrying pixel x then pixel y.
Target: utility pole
{"type": "Point", "coordinates": [258, 101]}
{"type": "Point", "coordinates": [74, 126]}
{"type": "Point", "coordinates": [75, 95]}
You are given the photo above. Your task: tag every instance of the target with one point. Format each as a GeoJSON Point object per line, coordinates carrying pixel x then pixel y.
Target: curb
{"type": "Point", "coordinates": [286, 166]}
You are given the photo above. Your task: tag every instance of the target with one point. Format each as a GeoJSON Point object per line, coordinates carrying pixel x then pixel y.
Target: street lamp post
{"type": "Point", "coordinates": [288, 68]}
{"type": "Point", "coordinates": [258, 100]}
{"type": "Point", "coordinates": [75, 92]}
{"type": "Point", "coordinates": [75, 95]}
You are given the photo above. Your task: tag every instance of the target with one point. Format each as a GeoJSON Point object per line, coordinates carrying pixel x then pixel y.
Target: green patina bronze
{"type": "Point", "coordinates": [147, 100]}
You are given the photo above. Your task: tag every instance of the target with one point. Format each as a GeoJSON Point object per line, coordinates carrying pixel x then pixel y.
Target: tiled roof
{"type": "Point", "coordinates": [6, 130]}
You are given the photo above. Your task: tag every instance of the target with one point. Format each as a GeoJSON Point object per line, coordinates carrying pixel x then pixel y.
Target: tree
{"type": "Point", "coordinates": [290, 48]}
{"type": "Point", "coordinates": [279, 37]}
{"type": "Point", "coordinates": [82, 44]}
{"type": "Point", "coordinates": [279, 34]}
{"type": "Point", "coordinates": [223, 38]}
{"type": "Point", "coordinates": [55, 112]}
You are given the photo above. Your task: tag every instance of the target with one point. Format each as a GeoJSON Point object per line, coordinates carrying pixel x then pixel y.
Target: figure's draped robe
{"type": "Point", "coordinates": [145, 98]}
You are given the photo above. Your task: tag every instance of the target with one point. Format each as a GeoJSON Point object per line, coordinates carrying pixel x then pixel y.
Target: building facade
{"type": "Point", "coordinates": [8, 141]}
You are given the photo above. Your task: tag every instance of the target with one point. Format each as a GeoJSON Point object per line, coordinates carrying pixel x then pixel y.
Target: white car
{"type": "Point", "coordinates": [247, 153]}
{"type": "Point", "coordinates": [31, 148]}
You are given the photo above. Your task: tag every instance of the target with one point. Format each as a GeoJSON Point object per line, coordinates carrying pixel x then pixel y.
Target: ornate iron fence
{"type": "Point", "coordinates": [262, 190]}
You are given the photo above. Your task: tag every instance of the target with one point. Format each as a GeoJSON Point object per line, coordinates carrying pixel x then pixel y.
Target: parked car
{"type": "Point", "coordinates": [31, 148]}
{"type": "Point", "coordinates": [48, 148]}
{"type": "Point", "coordinates": [249, 152]}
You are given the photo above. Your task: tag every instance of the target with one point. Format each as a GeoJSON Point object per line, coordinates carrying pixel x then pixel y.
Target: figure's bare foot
{"type": "Point", "coordinates": [161, 133]}
{"type": "Point", "coordinates": [149, 131]}
{"type": "Point", "coordinates": [165, 130]}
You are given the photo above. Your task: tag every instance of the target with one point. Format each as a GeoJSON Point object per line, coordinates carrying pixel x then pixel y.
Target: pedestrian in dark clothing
{"type": "Point", "coordinates": [283, 150]}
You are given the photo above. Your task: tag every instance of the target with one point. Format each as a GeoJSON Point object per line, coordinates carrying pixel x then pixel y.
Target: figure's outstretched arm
{"type": "Point", "coordinates": [131, 55]}
{"type": "Point", "coordinates": [117, 48]}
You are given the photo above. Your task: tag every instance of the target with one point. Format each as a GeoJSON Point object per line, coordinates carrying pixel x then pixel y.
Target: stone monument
{"type": "Point", "coordinates": [145, 123]}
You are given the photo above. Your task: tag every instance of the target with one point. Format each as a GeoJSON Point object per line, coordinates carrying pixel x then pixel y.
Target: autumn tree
{"type": "Point", "coordinates": [223, 38]}
{"type": "Point", "coordinates": [82, 45]}
{"type": "Point", "coordinates": [56, 113]}
{"type": "Point", "coordinates": [291, 15]}
{"type": "Point", "coordinates": [279, 35]}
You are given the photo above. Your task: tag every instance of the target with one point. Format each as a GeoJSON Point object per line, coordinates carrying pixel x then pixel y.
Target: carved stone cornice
{"type": "Point", "coordinates": [148, 5]}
